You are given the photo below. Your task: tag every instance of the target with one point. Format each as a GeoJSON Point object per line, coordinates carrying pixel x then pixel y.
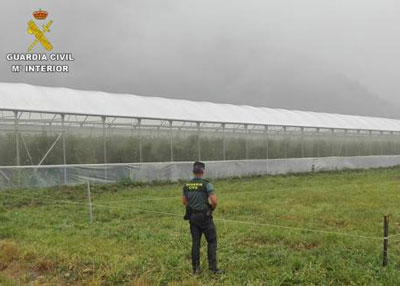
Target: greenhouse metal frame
{"type": "Point", "coordinates": [30, 109]}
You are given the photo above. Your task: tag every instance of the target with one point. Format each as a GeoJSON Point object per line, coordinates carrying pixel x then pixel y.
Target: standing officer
{"type": "Point", "coordinates": [200, 201]}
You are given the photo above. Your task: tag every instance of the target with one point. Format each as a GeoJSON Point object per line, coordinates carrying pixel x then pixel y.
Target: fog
{"type": "Point", "coordinates": [338, 56]}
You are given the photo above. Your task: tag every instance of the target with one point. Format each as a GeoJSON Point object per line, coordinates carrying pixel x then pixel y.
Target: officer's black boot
{"type": "Point", "coordinates": [196, 270]}
{"type": "Point", "coordinates": [196, 267]}
{"type": "Point", "coordinates": [217, 271]}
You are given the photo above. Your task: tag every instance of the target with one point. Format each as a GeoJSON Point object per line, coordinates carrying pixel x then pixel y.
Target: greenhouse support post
{"type": "Point", "coordinates": [103, 118]}
{"type": "Point", "coordinates": [63, 148]}
{"type": "Point", "coordinates": [318, 143]}
{"type": "Point", "coordinates": [198, 142]}
{"type": "Point", "coordinates": [266, 142]}
{"type": "Point", "coordinates": [380, 143]}
{"type": "Point", "coordinates": [266, 146]}
{"type": "Point", "coordinates": [223, 142]}
{"type": "Point", "coordinates": [247, 141]}
{"type": "Point", "coordinates": [171, 142]}
{"type": "Point", "coordinates": [17, 154]}
{"type": "Point", "coordinates": [140, 140]}
{"type": "Point", "coordinates": [285, 142]}
{"type": "Point", "coordinates": [302, 141]}
{"type": "Point", "coordinates": [369, 146]}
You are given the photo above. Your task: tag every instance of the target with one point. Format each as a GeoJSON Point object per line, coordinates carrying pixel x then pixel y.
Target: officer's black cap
{"type": "Point", "coordinates": [198, 167]}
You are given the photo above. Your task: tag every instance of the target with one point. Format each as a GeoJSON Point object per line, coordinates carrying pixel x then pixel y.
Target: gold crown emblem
{"type": "Point", "coordinates": [40, 14]}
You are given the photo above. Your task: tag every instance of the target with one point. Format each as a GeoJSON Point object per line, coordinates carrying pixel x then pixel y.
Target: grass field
{"type": "Point", "coordinates": [138, 236]}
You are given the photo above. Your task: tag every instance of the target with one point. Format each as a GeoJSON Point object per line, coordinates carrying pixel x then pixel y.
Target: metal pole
{"type": "Point", "coordinates": [375, 145]}
{"type": "Point", "coordinates": [388, 145]}
{"type": "Point", "coordinates": [391, 145]}
{"type": "Point", "coordinates": [17, 154]}
{"type": "Point", "coordinates": [369, 151]}
{"type": "Point", "coordinates": [266, 148]}
{"type": "Point", "coordinates": [385, 239]}
{"type": "Point", "coordinates": [63, 146]}
{"type": "Point", "coordinates": [140, 141]}
{"type": "Point", "coordinates": [223, 143]}
{"type": "Point", "coordinates": [302, 142]}
{"type": "Point", "coordinates": [198, 141]}
{"type": "Point", "coordinates": [318, 143]}
{"type": "Point", "coordinates": [285, 142]}
{"type": "Point", "coordinates": [266, 143]}
{"type": "Point", "coordinates": [104, 147]}
{"type": "Point", "coordinates": [247, 141]}
{"type": "Point", "coordinates": [171, 143]}
{"type": "Point", "coordinates": [398, 144]}
{"type": "Point", "coordinates": [90, 203]}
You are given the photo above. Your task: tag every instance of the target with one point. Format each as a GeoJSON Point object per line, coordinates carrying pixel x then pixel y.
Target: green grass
{"type": "Point", "coordinates": [46, 241]}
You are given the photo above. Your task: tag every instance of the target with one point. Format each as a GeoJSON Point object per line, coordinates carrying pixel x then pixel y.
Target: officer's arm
{"type": "Point", "coordinates": [212, 197]}
{"type": "Point", "coordinates": [184, 197]}
{"type": "Point", "coordinates": [184, 200]}
{"type": "Point", "coordinates": [213, 200]}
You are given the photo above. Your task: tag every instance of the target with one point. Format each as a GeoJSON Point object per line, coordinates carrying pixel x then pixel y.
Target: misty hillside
{"type": "Point", "coordinates": [272, 81]}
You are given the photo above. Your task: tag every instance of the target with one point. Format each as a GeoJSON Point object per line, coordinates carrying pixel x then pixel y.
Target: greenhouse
{"type": "Point", "coordinates": [43, 126]}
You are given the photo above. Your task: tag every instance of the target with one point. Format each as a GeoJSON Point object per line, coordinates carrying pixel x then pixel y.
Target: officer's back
{"type": "Point", "coordinates": [197, 192]}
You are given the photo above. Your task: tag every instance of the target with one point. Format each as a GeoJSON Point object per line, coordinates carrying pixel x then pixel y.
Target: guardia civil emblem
{"type": "Point", "coordinates": [39, 33]}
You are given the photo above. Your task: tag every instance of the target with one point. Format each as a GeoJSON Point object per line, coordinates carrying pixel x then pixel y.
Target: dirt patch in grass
{"type": "Point", "coordinates": [26, 268]}
{"type": "Point", "coordinates": [257, 241]}
{"type": "Point", "coordinates": [301, 246]}
{"type": "Point", "coordinates": [141, 281]}
{"type": "Point", "coordinates": [44, 265]}
{"type": "Point", "coordinates": [8, 253]}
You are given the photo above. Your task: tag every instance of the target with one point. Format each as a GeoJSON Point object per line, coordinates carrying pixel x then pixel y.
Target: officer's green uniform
{"type": "Point", "coordinates": [197, 191]}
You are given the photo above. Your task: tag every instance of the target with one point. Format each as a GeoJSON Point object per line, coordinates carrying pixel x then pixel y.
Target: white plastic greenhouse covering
{"type": "Point", "coordinates": [24, 97]}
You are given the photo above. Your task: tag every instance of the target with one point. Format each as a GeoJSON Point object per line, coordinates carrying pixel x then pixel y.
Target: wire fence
{"type": "Point", "coordinates": [225, 220]}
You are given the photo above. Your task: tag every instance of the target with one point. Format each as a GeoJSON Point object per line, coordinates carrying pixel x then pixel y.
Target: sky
{"type": "Point", "coordinates": [338, 56]}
